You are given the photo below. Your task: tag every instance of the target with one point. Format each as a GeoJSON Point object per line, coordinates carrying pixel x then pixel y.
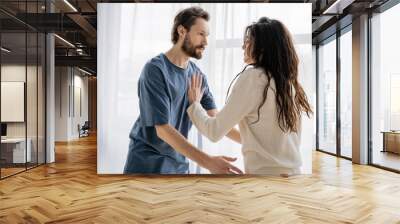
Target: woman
{"type": "Point", "coordinates": [267, 102]}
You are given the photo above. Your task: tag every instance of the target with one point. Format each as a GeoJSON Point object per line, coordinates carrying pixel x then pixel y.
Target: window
{"type": "Point", "coordinates": [346, 94]}
{"type": "Point", "coordinates": [385, 89]}
{"type": "Point", "coordinates": [327, 96]}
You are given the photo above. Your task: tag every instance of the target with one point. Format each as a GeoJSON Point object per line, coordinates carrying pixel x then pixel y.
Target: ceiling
{"type": "Point", "coordinates": [76, 22]}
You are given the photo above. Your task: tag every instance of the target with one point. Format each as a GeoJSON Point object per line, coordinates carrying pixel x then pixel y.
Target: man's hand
{"type": "Point", "coordinates": [195, 93]}
{"type": "Point", "coordinates": [221, 165]}
{"type": "Point", "coordinates": [215, 164]}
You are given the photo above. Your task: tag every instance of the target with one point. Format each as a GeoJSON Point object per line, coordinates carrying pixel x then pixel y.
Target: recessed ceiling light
{"type": "Point", "coordinates": [5, 50]}
{"type": "Point", "coordinates": [84, 71]}
{"type": "Point", "coordinates": [70, 5]}
{"type": "Point", "coordinates": [338, 6]}
{"type": "Point", "coordinates": [64, 40]}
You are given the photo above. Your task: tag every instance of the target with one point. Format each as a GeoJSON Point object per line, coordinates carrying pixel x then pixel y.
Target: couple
{"type": "Point", "coordinates": [266, 101]}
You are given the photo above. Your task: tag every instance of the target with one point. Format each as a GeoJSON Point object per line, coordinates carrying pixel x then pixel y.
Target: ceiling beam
{"type": "Point", "coordinates": [83, 61]}
{"type": "Point", "coordinates": [337, 6]}
{"type": "Point", "coordinates": [84, 24]}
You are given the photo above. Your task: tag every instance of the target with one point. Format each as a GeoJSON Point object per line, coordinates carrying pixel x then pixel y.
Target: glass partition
{"type": "Point", "coordinates": [31, 99]}
{"type": "Point", "coordinates": [41, 107]}
{"type": "Point", "coordinates": [14, 154]}
{"type": "Point", "coordinates": [22, 77]}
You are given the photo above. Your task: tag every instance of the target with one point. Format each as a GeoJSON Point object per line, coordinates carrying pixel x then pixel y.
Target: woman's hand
{"type": "Point", "coordinates": [195, 91]}
{"type": "Point", "coordinates": [222, 165]}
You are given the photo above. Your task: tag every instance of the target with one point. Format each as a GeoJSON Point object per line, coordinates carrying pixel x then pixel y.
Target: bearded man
{"type": "Point", "coordinates": [158, 139]}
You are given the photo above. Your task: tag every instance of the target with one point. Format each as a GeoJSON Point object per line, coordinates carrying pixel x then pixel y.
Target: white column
{"type": "Point", "coordinates": [50, 92]}
{"type": "Point", "coordinates": [50, 99]}
{"type": "Point", "coordinates": [360, 90]}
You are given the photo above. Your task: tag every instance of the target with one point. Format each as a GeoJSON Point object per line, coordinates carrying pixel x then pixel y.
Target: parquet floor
{"type": "Point", "coordinates": [10, 171]}
{"type": "Point", "coordinates": [70, 191]}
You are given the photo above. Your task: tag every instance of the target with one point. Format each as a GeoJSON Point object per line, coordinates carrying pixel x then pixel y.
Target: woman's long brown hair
{"type": "Point", "coordinates": [272, 50]}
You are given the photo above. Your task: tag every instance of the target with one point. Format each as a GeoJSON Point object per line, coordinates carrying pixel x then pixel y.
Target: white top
{"type": "Point", "coordinates": [266, 148]}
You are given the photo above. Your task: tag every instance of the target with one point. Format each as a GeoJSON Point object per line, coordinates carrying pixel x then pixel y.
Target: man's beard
{"type": "Point", "coordinates": [190, 50]}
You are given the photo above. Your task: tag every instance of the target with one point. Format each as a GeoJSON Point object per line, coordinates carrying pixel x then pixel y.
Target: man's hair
{"type": "Point", "coordinates": [187, 18]}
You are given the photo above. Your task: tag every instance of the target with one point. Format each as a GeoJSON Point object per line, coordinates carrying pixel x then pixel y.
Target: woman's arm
{"type": "Point", "coordinates": [243, 99]}
{"type": "Point", "coordinates": [233, 134]}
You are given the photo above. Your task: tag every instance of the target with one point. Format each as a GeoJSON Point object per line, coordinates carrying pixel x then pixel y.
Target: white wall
{"type": "Point", "coordinates": [68, 82]}
{"type": "Point", "coordinates": [17, 73]}
{"type": "Point", "coordinates": [61, 103]}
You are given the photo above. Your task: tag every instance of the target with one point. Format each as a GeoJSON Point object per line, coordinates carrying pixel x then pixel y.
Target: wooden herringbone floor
{"type": "Point", "coordinates": [70, 191]}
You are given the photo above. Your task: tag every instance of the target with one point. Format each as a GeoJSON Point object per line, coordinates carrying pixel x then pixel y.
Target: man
{"type": "Point", "coordinates": [158, 139]}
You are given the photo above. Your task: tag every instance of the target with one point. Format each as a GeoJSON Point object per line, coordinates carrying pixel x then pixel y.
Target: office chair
{"type": "Point", "coordinates": [84, 130]}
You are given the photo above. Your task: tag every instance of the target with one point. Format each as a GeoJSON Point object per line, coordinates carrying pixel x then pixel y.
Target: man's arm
{"type": "Point", "coordinates": [215, 164]}
{"type": "Point", "coordinates": [233, 134]}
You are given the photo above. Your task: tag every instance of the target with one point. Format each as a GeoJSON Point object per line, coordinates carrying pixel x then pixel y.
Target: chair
{"type": "Point", "coordinates": [84, 130]}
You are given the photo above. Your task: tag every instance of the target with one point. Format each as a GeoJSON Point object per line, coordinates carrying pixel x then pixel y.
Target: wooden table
{"type": "Point", "coordinates": [391, 141]}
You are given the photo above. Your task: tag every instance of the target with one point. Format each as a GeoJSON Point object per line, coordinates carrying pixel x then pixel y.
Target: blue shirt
{"type": "Point", "coordinates": [163, 99]}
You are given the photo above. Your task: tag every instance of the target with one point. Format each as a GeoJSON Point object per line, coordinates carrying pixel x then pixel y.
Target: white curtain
{"type": "Point", "coordinates": [130, 34]}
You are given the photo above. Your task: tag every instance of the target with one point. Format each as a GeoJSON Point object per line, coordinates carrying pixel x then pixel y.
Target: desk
{"type": "Point", "coordinates": [391, 141]}
{"type": "Point", "coordinates": [13, 150]}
